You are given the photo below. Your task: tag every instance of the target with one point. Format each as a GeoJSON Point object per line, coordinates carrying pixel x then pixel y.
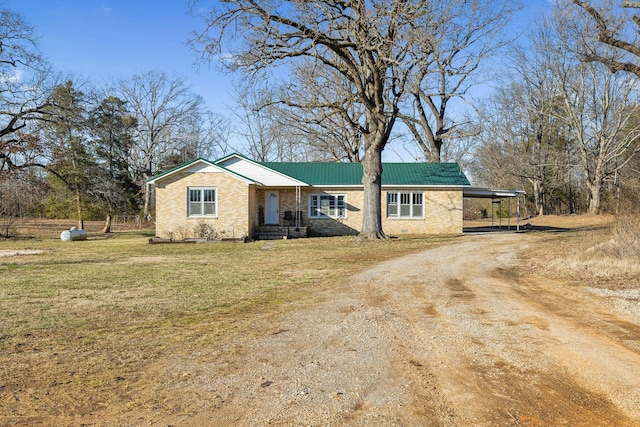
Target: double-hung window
{"type": "Point", "coordinates": [327, 206]}
{"type": "Point", "coordinates": [202, 201]}
{"type": "Point", "coordinates": [405, 205]}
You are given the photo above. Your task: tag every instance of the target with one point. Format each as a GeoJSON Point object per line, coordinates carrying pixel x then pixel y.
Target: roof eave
{"type": "Point", "coordinates": [155, 179]}
{"type": "Point", "coordinates": [394, 186]}
{"type": "Point", "coordinates": [297, 181]}
{"type": "Point", "coordinates": [177, 169]}
{"type": "Point", "coordinates": [488, 193]}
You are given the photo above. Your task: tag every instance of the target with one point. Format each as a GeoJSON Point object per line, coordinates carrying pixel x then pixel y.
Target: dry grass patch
{"type": "Point", "coordinates": [599, 251]}
{"type": "Point", "coordinates": [82, 320]}
{"type": "Point", "coordinates": [573, 222]}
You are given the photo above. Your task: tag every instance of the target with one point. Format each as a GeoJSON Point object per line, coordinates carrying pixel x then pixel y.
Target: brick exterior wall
{"type": "Point", "coordinates": [236, 213]}
{"type": "Point", "coordinates": [442, 215]}
{"type": "Point", "coordinates": [442, 212]}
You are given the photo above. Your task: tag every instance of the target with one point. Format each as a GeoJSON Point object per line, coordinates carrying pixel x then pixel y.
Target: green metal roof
{"type": "Point", "coordinates": [400, 174]}
{"type": "Point", "coordinates": [350, 174]}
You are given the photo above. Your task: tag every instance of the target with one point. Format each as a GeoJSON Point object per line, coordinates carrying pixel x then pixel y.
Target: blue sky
{"type": "Point", "coordinates": [103, 39]}
{"type": "Point", "coordinates": [109, 39]}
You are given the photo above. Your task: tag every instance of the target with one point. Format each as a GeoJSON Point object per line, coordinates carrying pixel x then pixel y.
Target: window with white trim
{"type": "Point", "coordinates": [202, 201]}
{"type": "Point", "coordinates": [405, 205]}
{"type": "Point", "coordinates": [327, 206]}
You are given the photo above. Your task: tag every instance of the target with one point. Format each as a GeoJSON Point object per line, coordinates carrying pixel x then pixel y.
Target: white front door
{"type": "Point", "coordinates": [272, 206]}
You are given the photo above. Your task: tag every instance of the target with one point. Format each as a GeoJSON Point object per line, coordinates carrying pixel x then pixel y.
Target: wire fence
{"type": "Point", "coordinates": [39, 227]}
{"type": "Point", "coordinates": [127, 221]}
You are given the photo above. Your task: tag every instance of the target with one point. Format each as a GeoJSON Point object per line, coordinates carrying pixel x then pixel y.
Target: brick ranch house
{"type": "Point", "coordinates": [241, 198]}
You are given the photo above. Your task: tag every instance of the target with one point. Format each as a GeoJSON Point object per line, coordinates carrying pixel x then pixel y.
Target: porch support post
{"type": "Point", "coordinates": [518, 213]}
{"type": "Point", "coordinates": [492, 208]}
{"type": "Point", "coordinates": [298, 213]}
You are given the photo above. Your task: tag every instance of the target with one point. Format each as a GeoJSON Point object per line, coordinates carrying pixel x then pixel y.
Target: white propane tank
{"type": "Point", "coordinates": [73, 234]}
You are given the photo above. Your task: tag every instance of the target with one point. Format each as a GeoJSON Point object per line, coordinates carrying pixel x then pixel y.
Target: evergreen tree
{"type": "Point", "coordinates": [112, 128]}
{"type": "Point", "coordinates": [65, 134]}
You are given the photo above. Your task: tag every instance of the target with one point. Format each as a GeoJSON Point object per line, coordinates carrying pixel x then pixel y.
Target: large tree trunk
{"type": "Point", "coordinates": [594, 197]}
{"type": "Point", "coordinates": [148, 173]}
{"type": "Point", "coordinates": [595, 182]}
{"type": "Point", "coordinates": [147, 199]}
{"type": "Point", "coordinates": [372, 205]}
{"type": "Point", "coordinates": [107, 224]}
{"type": "Point", "coordinates": [538, 195]}
{"type": "Point", "coordinates": [539, 191]}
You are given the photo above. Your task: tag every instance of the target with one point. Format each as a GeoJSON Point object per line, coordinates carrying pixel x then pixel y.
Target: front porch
{"type": "Point", "coordinates": [280, 215]}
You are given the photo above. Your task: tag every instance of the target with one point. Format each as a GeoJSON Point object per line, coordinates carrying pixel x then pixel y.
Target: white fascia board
{"type": "Point", "coordinates": [259, 173]}
{"type": "Point", "coordinates": [171, 172]}
{"type": "Point", "coordinates": [205, 166]}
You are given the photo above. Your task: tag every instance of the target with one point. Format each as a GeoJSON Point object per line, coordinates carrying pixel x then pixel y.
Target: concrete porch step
{"type": "Point", "coordinates": [279, 232]}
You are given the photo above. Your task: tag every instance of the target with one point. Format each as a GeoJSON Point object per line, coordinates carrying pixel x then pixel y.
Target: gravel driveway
{"type": "Point", "coordinates": [446, 337]}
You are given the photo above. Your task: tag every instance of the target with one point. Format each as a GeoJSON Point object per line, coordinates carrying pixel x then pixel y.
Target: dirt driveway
{"type": "Point", "coordinates": [447, 337]}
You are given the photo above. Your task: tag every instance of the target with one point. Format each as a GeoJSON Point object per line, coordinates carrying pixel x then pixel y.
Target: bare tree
{"type": "Point", "coordinates": [21, 194]}
{"type": "Point", "coordinates": [464, 35]}
{"type": "Point", "coordinates": [214, 134]}
{"type": "Point", "coordinates": [548, 161]}
{"type": "Point", "coordinates": [563, 121]}
{"type": "Point", "coordinates": [319, 107]}
{"type": "Point", "coordinates": [163, 107]}
{"type": "Point", "coordinates": [310, 118]}
{"type": "Point", "coordinates": [25, 86]}
{"type": "Point", "coordinates": [614, 27]}
{"type": "Point", "coordinates": [260, 128]}
{"type": "Point", "coordinates": [371, 44]}
{"type": "Point", "coordinates": [524, 145]}
{"type": "Point", "coordinates": [600, 104]}
{"type": "Point", "coordinates": [601, 109]}
{"type": "Point", "coordinates": [620, 30]}
{"type": "Point", "coordinates": [333, 137]}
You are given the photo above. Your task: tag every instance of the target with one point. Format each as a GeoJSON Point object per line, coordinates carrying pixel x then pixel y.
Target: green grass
{"type": "Point", "coordinates": [85, 324]}
{"type": "Point", "coordinates": [84, 314]}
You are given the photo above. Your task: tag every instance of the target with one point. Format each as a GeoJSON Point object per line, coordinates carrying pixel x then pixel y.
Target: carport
{"type": "Point", "coordinates": [496, 196]}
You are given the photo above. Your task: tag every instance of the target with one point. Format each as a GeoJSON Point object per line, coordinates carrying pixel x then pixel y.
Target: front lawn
{"type": "Point", "coordinates": [80, 318]}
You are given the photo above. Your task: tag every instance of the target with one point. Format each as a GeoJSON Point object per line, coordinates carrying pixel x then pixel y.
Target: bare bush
{"type": "Point", "coordinates": [7, 228]}
{"type": "Point", "coordinates": [626, 238]}
{"type": "Point", "coordinates": [204, 230]}
{"type": "Point", "coordinates": [179, 233]}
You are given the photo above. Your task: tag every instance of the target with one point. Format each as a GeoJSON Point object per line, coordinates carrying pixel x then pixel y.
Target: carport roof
{"type": "Point", "coordinates": [488, 193]}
